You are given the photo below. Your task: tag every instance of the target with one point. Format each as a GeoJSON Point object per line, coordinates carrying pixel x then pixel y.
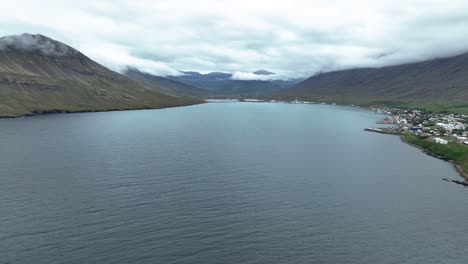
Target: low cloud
{"type": "Point", "coordinates": [296, 38]}
{"type": "Point", "coordinates": [250, 76]}
{"type": "Point", "coordinates": [38, 43]}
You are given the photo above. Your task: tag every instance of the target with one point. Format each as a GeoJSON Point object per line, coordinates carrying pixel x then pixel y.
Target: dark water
{"type": "Point", "coordinates": [223, 183]}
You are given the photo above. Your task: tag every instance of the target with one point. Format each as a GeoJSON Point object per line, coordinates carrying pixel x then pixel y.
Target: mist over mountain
{"type": "Point", "coordinates": [226, 84]}
{"type": "Point", "coordinates": [263, 72]}
{"type": "Point", "coordinates": [164, 85]}
{"type": "Point", "coordinates": [437, 80]}
{"type": "Point", "coordinates": [41, 75]}
{"type": "Point", "coordinates": [36, 43]}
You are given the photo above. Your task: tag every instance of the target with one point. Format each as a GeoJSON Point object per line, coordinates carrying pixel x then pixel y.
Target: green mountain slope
{"type": "Point", "coordinates": [41, 75]}
{"type": "Point", "coordinates": [440, 81]}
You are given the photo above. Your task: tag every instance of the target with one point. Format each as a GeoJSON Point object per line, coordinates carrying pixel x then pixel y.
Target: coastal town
{"type": "Point", "coordinates": [440, 128]}
{"type": "Point", "coordinates": [441, 135]}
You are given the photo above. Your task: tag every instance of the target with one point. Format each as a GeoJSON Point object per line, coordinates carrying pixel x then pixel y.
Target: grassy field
{"type": "Point", "coordinates": [452, 151]}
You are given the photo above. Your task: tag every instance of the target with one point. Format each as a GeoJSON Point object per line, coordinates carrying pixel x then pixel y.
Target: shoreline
{"type": "Point", "coordinates": [458, 168]}
{"type": "Point", "coordinates": [56, 111]}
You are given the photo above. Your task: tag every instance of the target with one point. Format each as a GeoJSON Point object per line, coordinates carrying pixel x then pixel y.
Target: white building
{"type": "Point", "coordinates": [451, 126]}
{"type": "Point", "coordinates": [440, 141]}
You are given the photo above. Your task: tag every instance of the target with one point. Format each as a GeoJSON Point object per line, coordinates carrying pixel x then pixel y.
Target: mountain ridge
{"type": "Point", "coordinates": [41, 75]}
{"type": "Point", "coordinates": [221, 84]}
{"type": "Point", "coordinates": [435, 80]}
{"type": "Point", "coordinates": [164, 85]}
{"type": "Point", "coordinates": [263, 72]}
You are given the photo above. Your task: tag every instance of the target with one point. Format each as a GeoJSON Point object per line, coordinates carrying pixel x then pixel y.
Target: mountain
{"type": "Point", "coordinates": [437, 81]}
{"type": "Point", "coordinates": [218, 76]}
{"type": "Point", "coordinates": [41, 75]}
{"type": "Point", "coordinates": [263, 72]}
{"type": "Point", "coordinates": [164, 85]}
{"type": "Point", "coordinates": [220, 84]}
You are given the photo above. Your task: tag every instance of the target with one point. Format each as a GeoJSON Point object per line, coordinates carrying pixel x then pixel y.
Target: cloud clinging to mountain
{"type": "Point", "coordinates": [291, 38]}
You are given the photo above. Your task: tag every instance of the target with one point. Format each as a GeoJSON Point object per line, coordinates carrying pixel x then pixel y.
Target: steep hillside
{"type": "Point", "coordinates": [40, 75]}
{"type": "Point", "coordinates": [165, 85]}
{"type": "Point", "coordinates": [429, 82]}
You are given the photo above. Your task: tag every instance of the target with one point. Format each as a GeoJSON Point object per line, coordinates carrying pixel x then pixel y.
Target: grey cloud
{"type": "Point", "coordinates": [30, 42]}
{"type": "Point", "coordinates": [149, 55]}
{"type": "Point", "coordinates": [291, 39]}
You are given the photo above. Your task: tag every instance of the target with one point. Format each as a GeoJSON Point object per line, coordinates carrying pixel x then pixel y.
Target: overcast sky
{"type": "Point", "coordinates": [291, 38]}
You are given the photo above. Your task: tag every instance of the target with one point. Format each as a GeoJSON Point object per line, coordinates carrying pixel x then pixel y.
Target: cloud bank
{"type": "Point", "coordinates": [294, 38]}
{"type": "Point", "coordinates": [37, 43]}
{"type": "Point", "coordinates": [251, 76]}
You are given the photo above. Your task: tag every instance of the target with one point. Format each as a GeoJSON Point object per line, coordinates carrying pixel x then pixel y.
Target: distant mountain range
{"type": "Point", "coordinates": [41, 75]}
{"type": "Point", "coordinates": [437, 81]}
{"type": "Point", "coordinates": [165, 85]}
{"type": "Point", "coordinates": [223, 84]}
{"type": "Point", "coordinates": [209, 85]}
{"type": "Point", "coordinates": [263, 72]}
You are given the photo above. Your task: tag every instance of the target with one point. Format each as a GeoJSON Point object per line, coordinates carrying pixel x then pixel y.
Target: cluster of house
{"type": "Point", "coordinates": [311, 102]}
{"type": "Point", "coordinates": [308, 102]}
{"type": "Point", "coordinates": [441, 128]}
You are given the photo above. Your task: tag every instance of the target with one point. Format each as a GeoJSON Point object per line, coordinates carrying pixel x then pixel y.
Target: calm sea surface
{"type": "Point", "coordinates": [223, 183]}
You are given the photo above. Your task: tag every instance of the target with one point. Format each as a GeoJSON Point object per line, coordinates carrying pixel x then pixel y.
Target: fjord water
{"type": "Point", "coordinates": [223, 183]}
